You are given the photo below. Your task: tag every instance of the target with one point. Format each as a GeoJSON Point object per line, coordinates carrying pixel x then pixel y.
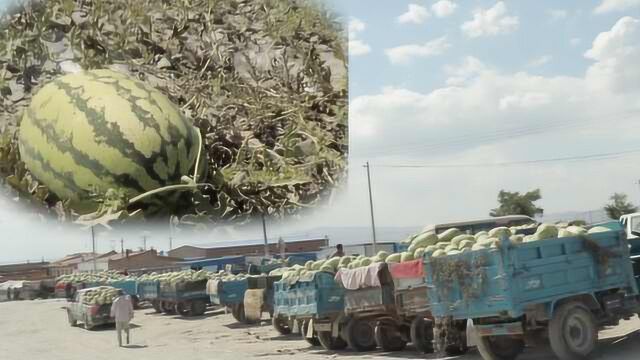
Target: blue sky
{"type": "Point", "coordinates": [539, 34]}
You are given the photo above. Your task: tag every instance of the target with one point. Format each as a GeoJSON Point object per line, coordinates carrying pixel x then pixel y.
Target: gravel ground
{"type": "Point", "coordinates": [39, 330]}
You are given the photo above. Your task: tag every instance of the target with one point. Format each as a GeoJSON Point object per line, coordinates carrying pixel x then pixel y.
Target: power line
{"type": "Point", "coordinates": [432, 145]}
{"type": "Point", "coordinates": [591, 157]}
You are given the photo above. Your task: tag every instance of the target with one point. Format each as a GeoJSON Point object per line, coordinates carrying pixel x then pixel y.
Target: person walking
{"type": "Point", "coordinates": [122, 311]}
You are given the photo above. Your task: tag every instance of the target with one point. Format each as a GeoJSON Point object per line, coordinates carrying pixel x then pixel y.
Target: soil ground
{"type": "Point", "coordinates": [39, 330]}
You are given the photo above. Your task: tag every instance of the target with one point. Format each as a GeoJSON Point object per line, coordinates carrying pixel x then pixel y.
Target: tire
{"type": "Point", "coordinates": [136, 302]}
{"type": "Point", "coordinates": [499, 347]}
{"type": "Point", "coordinates": [388, 337]}
{"type": "Point", "coordinates": [198, 308]}
{"type": "Point", "coordinates": [313, 341]}
{"type": "Point", "coordinates": [450, 336]}
{"type": "Point", "coordinates": [360, 335]}
{"type": "Point", "coordinates": [573, 333]}
{"type": "Point", "coordinates": [330, 343]}
{"type": "Point", "coordinates": [422, 334]}
{"type": "Point", "coordinates": [181, 309]}
{"type": "Point", "coordinates": [281, 325]}
{"type": "Point", "coordinates": [72, 322]}
{"type": "Point", "coordinates": [237, 310]}
{"type": "Point", "coordinates": [167, 307]}
{"type": "Point", "coordinates": [156, 306]}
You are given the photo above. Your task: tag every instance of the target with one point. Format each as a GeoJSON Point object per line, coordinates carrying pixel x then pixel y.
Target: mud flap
{"type": "Point", "coordinates": [309, 333]}
{"type": "Point", "coordinates": [471, 334]}
{"type": "Point", "coordinates": [253, 303]}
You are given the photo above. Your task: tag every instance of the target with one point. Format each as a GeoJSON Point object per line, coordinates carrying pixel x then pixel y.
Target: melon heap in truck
{"type": "Point", "coordinates": [558, 285]}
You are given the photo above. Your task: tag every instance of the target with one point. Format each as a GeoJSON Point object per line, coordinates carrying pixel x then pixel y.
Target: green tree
{"type": "Point", "coordinates": [619, 206]}
{"type": "Point", "coordinates": [514, 203]}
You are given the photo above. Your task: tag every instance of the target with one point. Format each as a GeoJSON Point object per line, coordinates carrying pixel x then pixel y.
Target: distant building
{"type": "Point", "coordinates": [101, 263]}
{"type": "Point", "coordinates": [141, 260]}
{"type": "Point", "coordinates": [68, 264]}
{"type": "Point", "coordinates": [248, 248]}
{"type": "Point", "coordinates": [25, 271]}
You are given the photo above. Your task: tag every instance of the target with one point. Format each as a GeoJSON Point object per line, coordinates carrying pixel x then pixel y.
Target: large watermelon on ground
{"type": "Point", "coordinates": [103, 129]}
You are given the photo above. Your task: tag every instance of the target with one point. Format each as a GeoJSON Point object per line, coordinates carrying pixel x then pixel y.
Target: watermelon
{"type": "Point", "coordinates": [101, 130]}
{"type": "Point", "coordinates": [449, 234]}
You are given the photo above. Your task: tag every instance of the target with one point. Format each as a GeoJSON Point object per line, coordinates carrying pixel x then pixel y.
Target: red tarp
{"type": "Point", "coordinates": [405, 270]}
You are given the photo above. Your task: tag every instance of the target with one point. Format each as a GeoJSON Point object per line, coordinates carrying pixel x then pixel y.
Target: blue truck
{"type": "Point", "coordinates": [254, 292]}
{"type": "Point", "coordinates": [316, 304]}
{"type": "Point", "coordinates": [185, 298]}
{"type": "Point", "coordinates": [559, 291]}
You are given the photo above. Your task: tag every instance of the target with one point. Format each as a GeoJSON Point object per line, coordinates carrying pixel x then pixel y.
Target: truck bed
{"type": "Point", "coordinates": [506, 280]}
{"type": "Point", "coordinates": [321, 297]}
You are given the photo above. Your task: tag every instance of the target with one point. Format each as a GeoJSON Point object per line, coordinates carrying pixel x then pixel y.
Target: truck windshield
{"type": "Point", "coordinates": [635, 223]}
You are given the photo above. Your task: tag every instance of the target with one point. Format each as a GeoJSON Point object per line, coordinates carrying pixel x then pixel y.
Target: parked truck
{"type": "Point", "coordinates": [314, 303]}
{"type": "Point", "coordinates": [184, 298]}
{"type": "Point", "coordinates": [90, 315]}
{"type": "Point", "coordinates": [560, 291]}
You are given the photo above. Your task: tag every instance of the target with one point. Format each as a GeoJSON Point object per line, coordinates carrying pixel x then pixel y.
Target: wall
{"type": "Point", "coordinates": [188, 252]}
{"type": "Point", "coordinates": [148, 259]}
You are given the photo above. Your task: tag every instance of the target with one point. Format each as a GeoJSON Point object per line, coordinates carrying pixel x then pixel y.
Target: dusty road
{"type": "Point", "coordinates": [39, 330]}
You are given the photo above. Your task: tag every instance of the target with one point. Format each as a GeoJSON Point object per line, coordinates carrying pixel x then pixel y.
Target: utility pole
{"type": "Point", "coordinates": [93, 242]}
{"type": "Point", "coordinates": [121, 245]}
{"type": "Point", "coordinates": [373, 223]}
{"type": "Point", "coordinates": [170, 243]}
{"type": "Point", "coordinates": [264, 233]}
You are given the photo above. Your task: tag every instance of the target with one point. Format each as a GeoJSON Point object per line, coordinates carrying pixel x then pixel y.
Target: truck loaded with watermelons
{"type": "Point", "coordinates": [558, 286]}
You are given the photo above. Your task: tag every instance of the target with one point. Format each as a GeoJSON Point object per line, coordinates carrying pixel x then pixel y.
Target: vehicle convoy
{"type": "Point", "coordinates": [91, 306]}
{"type": "Point", "coordinates": [559, 286]}
{"type": "Point", "coordinates": [182, 293]}
{"type": "Point", "coordinates": [314, 303]}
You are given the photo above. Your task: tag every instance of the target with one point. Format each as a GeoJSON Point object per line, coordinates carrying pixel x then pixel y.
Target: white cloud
{"type": "Point", "coordinates": [416, 14]}
{"type": "Point", "coordinates": [524, 101]}
{"type": "Point", "coordinates": [467, 70]}
{"type": "Point", "coordinates": [607, 6]}
{"type": "Point", "coordinates": [357, 47]}
{"type": "Point", "coordinates": [575, 41]}
{"type": "Point", "coordinates": [405, 53]}
{"type": "Point", "coordinates": [490, 22]}
{"type": "Point", "coordinates": [444, 8]}
{"type": "Point", "coordinates": [540, 61]}
{"type": "Point", "coordinates": [356, 26]}
{"type": "Point", "coordinates": [616, 54]}
{"type": "Point", "coordinates": [558, 14]}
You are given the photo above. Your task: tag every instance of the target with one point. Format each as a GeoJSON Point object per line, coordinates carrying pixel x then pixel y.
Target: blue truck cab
{"type": "Point", "coordinates": [561, 290]}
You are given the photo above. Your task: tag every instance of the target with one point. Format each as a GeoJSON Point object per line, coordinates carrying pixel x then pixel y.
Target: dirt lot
{"type": "Point", "coordinates": [39, 330]}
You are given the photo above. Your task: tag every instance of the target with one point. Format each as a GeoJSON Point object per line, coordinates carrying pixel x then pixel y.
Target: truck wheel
{"type": "Point", "coordinates": [313, 341]}
{"type": "Point", "coordinates": [499, 347]}
{"type": "Point", "coordinates": [237, 310]}
{"type": "Point", "coordinates": [360, 335]}
{"type": "Point", "coordinates": [328, 342]}
{"type": "Point", "coordinates": [181, 309]}
{"type": "Point", "coordinates": [450, 336]}
{"type": "Point", "coordinates": [281, 325]}
{"type": "Point", "coordinates": [388, 337]}
{"type": "Point", "coordinates": [72, 321]}
{"type": "Point", "coordinates": [572, 331]}
{"type": "Point", "coordinates": [156, 306]}
{"type": "Point", "coordinates": [422, 334]}
{"type": "Point", "coordinates": [136, 302]}
{"type": "Point", "coordinates": [198, 308]}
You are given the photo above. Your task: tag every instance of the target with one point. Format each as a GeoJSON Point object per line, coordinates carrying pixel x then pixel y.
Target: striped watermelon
{"type": "Point", "coordinates": [103, 129]}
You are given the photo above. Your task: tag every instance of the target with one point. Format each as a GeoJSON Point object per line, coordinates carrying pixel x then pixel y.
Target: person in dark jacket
{"type": "Point", "coordinates": [339, 251]}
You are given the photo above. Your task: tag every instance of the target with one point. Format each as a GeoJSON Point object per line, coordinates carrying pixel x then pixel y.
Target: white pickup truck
{"type": "Point", "coordinates": [89, 315]}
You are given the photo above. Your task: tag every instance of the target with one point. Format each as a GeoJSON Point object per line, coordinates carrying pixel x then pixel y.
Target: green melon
{"type": "Point", "coordinates": [102, 129]}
